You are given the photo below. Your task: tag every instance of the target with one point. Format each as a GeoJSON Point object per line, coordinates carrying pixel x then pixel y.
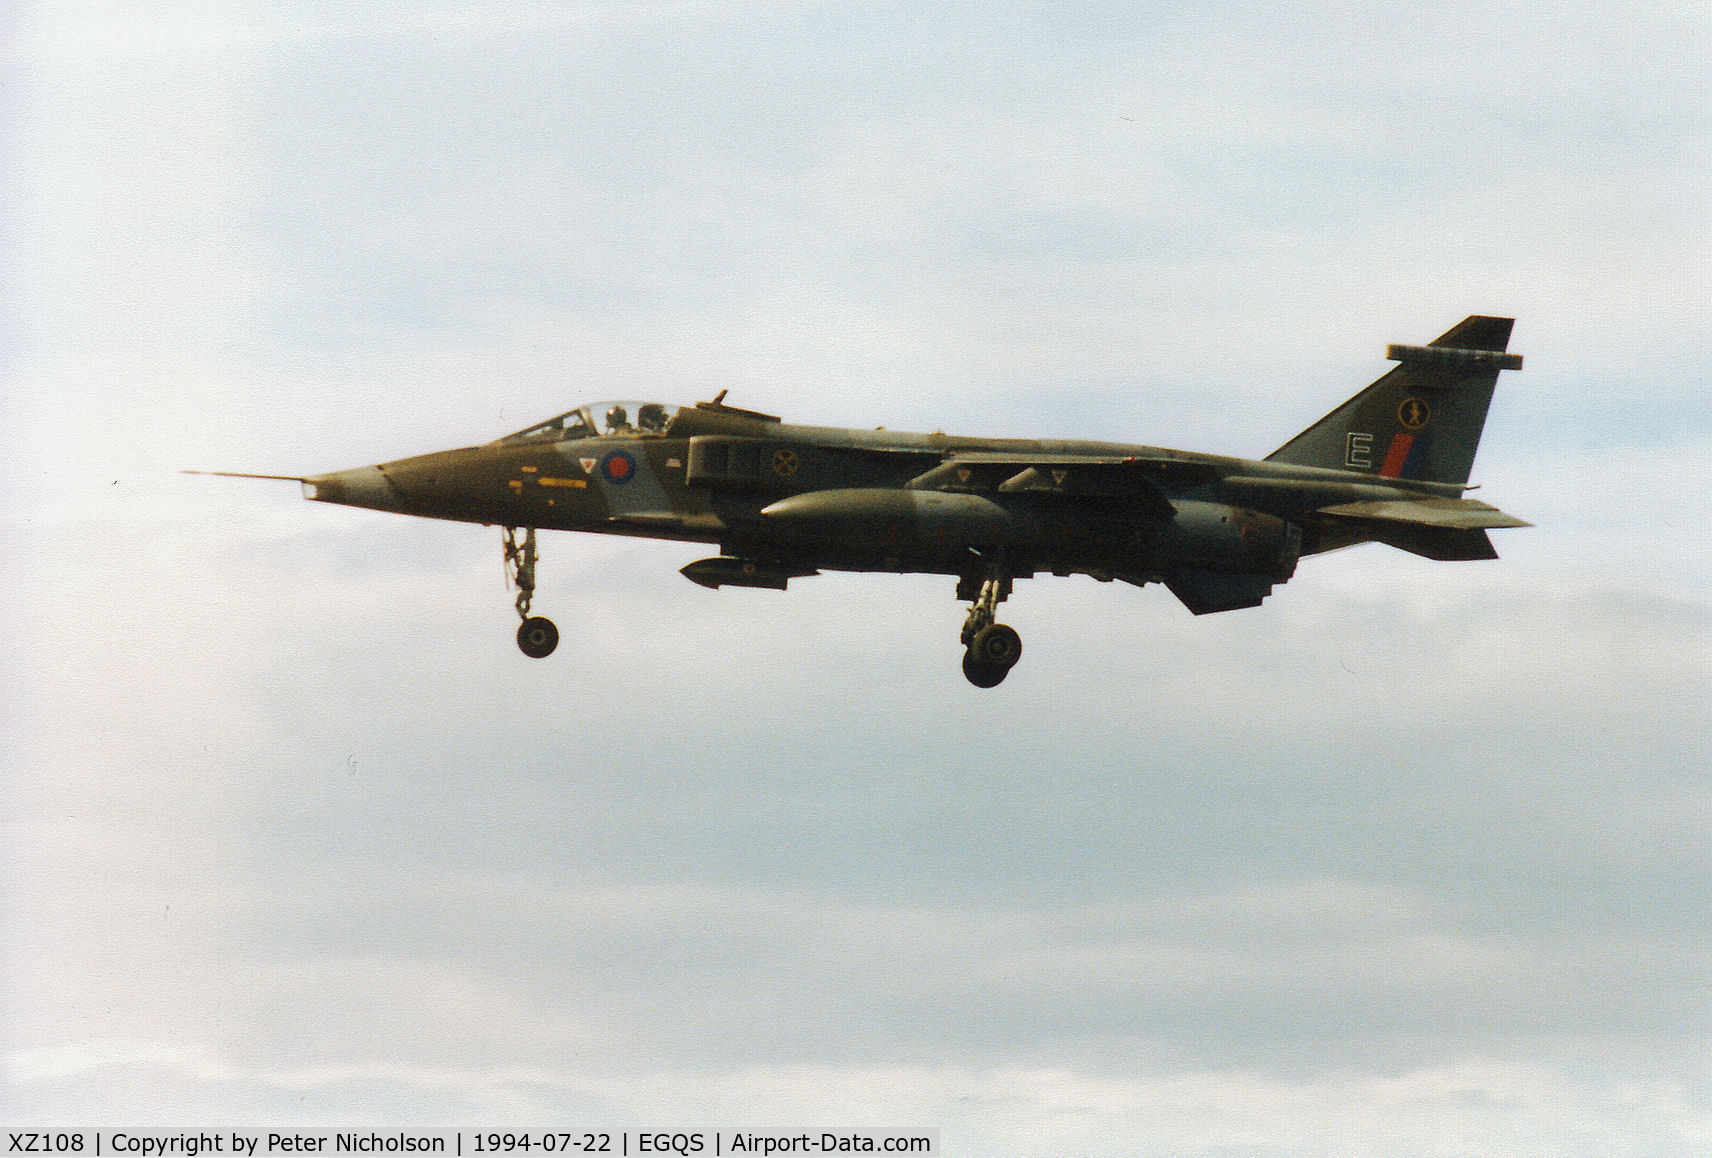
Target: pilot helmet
{"type": "Point", "coordinates": [617, 418]}
{"type": "Point", "coordinates": [652, 416]}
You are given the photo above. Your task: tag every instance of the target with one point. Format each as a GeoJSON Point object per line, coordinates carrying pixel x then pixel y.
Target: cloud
{"type": "Point", "coordinates": [1440, 1110]}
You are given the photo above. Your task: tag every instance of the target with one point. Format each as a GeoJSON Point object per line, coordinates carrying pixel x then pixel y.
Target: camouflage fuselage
{"type": "Point", "coordinates": [823, 497]}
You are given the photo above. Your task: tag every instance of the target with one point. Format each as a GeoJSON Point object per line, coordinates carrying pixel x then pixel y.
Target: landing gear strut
{"type": "Point", "coordinates": [536, 636]}
{"type": "Point", "coordinates": [991, 648]}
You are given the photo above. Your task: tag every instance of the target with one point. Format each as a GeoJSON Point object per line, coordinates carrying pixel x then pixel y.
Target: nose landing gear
{"type": "Point", "coordinates": [991, 648]}
{"type": "Point", "coordinates": [536, 636]}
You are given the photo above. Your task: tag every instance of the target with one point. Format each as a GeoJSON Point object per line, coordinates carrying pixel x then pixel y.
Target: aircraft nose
{"type": "Point", "coordinates": [366, 486]}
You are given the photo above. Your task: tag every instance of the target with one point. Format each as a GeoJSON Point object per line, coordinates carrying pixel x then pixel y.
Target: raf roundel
{"type": "Point", "coordinates": [618, 467]}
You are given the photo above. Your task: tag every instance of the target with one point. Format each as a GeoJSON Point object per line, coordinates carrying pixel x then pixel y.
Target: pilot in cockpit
{"type": "Point", "coordinates": [652, 418]}
{"type": "Point", "coordinates": [617, 420]}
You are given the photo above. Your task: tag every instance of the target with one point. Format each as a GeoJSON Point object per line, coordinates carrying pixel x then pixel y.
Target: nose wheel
{"type": "Point", "coordinates": [536, 635]}
{"type": "Point", "coordinates": [991, 649]}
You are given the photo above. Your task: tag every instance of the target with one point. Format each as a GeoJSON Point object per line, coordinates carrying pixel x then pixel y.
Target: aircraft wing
{"type": "Point", "coordinates": [1106, 476]}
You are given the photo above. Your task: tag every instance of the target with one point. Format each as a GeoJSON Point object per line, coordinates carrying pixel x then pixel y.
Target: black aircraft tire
{"type": "Point", "coordinates": [997, 646]}
{"type": "Point", "coordinates": [537, 637]}
{"type": "Point", "coordinates": [983, 675]}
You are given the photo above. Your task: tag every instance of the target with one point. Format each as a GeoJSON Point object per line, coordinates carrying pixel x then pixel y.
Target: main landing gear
{"type": "Point", "coordinates": [536, 636]}
{"type": "Point", "coordinates": [990, 649]}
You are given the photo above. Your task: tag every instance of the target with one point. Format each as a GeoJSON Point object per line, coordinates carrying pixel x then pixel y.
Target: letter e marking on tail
{"type": "Point", "coordinates": [1358, 451]}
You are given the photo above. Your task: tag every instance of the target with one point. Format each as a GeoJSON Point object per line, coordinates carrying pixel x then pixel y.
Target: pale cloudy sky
{"type": "Point", "coordinates": [1411, 861]}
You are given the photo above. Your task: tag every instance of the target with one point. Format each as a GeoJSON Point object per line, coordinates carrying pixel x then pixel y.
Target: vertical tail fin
{"type": "Point", "coordinates": [1423, 419]}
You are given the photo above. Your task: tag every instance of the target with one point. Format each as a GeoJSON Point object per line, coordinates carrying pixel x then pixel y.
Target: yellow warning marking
{"type": "Point", "coordinates": [515, 484]}
{"type": "Point", "coordinates": [1414, 413]}
{"type": "Point", "coordinates": [529, 469]}
{"type": "Point", "coordinates": [578, 483]}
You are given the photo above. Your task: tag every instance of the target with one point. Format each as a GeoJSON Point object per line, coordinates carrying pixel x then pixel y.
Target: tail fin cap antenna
{"type": "Point", "coordinates": [1449, 356]}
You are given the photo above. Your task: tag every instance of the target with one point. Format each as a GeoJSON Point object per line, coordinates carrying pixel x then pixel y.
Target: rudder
{"type": "Point", "coordinates": [1423, 419]}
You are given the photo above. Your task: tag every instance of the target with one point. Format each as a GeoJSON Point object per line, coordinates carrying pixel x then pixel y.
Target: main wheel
{"type": "Point", "coordinates": [537, 637]}
{"type": "Point", "coordinates": [981, 673]}
{"type": "Point", "coordinates": [997, 645]}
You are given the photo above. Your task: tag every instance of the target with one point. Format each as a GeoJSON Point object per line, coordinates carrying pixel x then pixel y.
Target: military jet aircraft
{"type": "Point", "coordinates": [785, 502]}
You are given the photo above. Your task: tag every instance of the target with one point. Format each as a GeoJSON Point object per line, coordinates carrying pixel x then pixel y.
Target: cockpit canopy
{"type": "Point", "coordinates": [602, 419]}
